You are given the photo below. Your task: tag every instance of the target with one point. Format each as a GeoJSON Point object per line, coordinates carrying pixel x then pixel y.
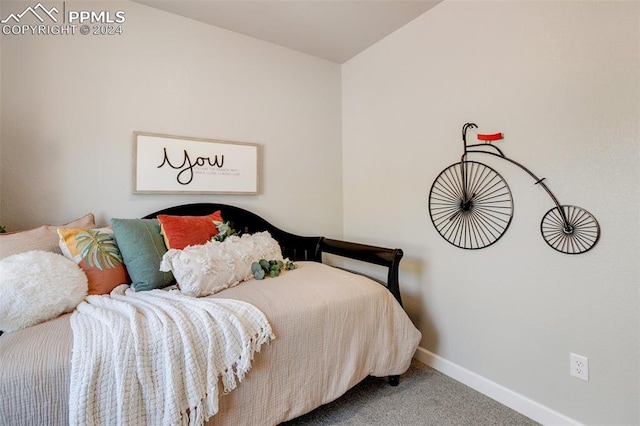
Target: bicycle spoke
{"type": "Point", "coordinates": [470, 205]}
{"type": "Point", "coordinates": [578, 234]}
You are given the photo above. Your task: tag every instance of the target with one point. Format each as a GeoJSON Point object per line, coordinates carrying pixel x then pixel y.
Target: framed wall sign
{"type": "Point", "coordinates": [176, 165]}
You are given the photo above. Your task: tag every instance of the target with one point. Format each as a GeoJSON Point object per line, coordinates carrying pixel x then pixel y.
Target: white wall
{"type": "Point", "coordinates": [561, 80]}
{"type": "Point", "coordinates": [1, 220]}
{"type": "Point", "coordinates": [71, 103]}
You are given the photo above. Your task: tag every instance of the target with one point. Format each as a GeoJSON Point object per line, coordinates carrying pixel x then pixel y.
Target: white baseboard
{"type": "Point", "coordinates": [503, 395]}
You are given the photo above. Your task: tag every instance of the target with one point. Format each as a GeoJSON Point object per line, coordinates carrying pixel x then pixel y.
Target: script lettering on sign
{"type": "Point", "coordinates": [185, 175]}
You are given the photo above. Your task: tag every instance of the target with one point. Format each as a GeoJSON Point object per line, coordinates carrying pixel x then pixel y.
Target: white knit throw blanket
{"type": "Point", "coordinates": [155, 357]}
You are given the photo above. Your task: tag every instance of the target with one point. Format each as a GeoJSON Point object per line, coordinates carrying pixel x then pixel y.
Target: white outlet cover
{"type": "Point", "coordinates": [579, 366]}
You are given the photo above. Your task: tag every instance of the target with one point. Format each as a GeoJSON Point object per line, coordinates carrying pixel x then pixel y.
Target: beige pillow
{"type": "Point", "coordinates": [44, 238]}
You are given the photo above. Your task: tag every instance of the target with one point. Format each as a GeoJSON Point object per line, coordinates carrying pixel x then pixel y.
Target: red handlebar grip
{"type": "Point", "coordinates": [491, 137]}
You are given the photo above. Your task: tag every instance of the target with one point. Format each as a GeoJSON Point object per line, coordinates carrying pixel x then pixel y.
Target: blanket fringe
{"type": "Point", "coordinates": [243, 365]}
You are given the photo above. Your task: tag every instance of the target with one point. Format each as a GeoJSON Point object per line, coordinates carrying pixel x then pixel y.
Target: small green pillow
{"type": "Point", "coordinates": [142, 247]}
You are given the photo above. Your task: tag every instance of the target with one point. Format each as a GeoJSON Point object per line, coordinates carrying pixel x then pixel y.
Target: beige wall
{"type": "Point", "coordinates": [1, 144]}
{"type": "Point", "coordinates": [71, 103]}
{"type": "Point", "coordinates": [561, 80]}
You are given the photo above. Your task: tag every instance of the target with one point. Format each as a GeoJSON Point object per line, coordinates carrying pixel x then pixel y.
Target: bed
{"type": "Point", "coordinates": [333, 328]}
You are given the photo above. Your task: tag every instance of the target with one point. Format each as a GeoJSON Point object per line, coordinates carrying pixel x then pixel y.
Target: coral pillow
{"type": "Point", "coordinates": [37, 286]}
{"type": "Point", "coordinates": [182, 231]}
{"type": "Point", "coordinates": [97, 254]}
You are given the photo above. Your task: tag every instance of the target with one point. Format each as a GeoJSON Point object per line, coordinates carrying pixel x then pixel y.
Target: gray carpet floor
{"type": "Point", "coordinates": [424, 397]}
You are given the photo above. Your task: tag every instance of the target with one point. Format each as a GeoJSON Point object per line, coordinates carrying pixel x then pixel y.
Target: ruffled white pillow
{"type": "Point", "coordinates": [211, 267]}
{"type": "Point", "coordinates": [37, 286]}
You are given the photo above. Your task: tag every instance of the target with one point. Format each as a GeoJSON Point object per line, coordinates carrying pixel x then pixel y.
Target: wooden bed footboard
{"type": "Point", "coordinates": [389, 258]}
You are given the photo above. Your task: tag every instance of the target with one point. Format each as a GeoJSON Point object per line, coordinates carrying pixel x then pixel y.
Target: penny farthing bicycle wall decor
{"type": "Point", "coordinates": [471, 205]}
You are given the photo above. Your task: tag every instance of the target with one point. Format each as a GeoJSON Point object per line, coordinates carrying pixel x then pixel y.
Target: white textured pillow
{"type": "Point", "coordinates": [211, 267]}
{"type": "Point", "coordinates": [37, 286]}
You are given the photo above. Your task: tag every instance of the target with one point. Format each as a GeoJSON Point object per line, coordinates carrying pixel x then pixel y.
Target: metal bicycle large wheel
{"type": "Point", "coordinates": [472, 215]}
{"type": "Point", "coordinates": [578, 234]}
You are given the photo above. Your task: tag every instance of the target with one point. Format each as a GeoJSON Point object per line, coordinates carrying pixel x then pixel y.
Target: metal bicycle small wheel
{"type": "Point", "coordinates": [578, 234]}
{"type": "Point", "coordinates": [470, 205]}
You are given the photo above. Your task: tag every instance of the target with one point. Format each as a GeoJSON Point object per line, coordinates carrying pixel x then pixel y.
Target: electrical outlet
{"type": "Point", "coordinates": [579, 366]}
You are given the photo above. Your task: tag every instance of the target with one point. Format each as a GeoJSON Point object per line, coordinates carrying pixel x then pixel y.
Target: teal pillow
{"type": "Point", "coordinates": [142, 247]}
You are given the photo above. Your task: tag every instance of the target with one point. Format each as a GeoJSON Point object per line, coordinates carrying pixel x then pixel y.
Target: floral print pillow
{"type": "Point", "coordinates": [97, 254]}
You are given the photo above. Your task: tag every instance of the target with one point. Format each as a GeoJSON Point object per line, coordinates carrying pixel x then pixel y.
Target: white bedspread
{"type": "Point", "coordinates": [155, 357]}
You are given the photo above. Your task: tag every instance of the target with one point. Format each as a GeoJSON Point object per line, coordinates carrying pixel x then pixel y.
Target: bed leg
{"type": "Point", "coordinates": [394, 380]}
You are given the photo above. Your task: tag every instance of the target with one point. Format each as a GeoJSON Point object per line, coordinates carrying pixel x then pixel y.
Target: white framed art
{"type": "Point", "coordinates": [169, 164]}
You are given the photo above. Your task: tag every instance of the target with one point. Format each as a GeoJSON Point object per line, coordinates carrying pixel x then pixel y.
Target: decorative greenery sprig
{"type": "Point", "coordinates": [271, 268]}
{"type": "Point", "coordinates": [2, 229]}
{"type": "Point", "coordinates": [225, 229]}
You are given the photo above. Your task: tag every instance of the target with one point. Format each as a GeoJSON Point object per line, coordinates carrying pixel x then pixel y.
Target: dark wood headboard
{"type": "Point", "coordinates": [297, 247]}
